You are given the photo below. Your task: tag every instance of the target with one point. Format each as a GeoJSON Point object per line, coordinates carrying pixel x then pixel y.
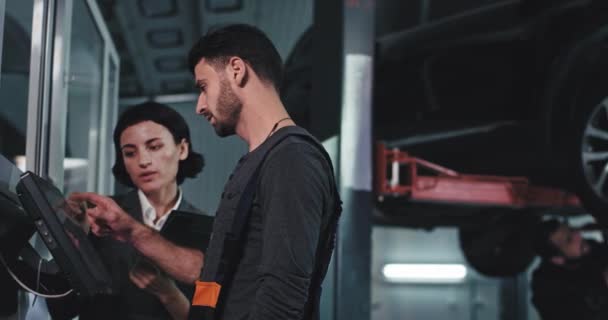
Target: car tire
{"type": "Point", "coordinates": [501, 247]}
{"type": "Point", "coordinates": [588, 148]}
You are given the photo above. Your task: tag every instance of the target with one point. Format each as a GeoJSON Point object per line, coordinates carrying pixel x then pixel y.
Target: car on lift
{"type": "Point", "coordinates": [514, 88]}
{"type": "Point", "coordinates": [510, 88]}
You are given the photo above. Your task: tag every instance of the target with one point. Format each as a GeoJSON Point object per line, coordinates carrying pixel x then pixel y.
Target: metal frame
{"type": "Point", "coordinates": [447, 185]}
{"type": "Point", "coordinates": [93, 168]}
{"type": "Point", "coordinates": [2, 13]}
{"type": "Point", "coordinates": [112, 153]}
{"type": "Point", "coordinates": [109, 105]}
{"type": "Point", "coordinates": [39, 83]}
{"type": "Point", "coordinates": [352, 295]}
{"type": "Point", "coordinates": [48, 86]}
{"type": "Point", "coordinates": [98, 178]}
{"type": "Point", "coordinates": [47, 94]}
{"type": "Point", "coordinates": [103, 125]}
{"type": "Point", "coordinates": [60, 85]}
{"type": "Point", "coordinates": [101, 25]}
{"type": "Point", "coordinates": [168, 98]}
{"type": "Point", "coordinates": [105, 183]}
{"type": "Point", "coordinates": [38, 109]}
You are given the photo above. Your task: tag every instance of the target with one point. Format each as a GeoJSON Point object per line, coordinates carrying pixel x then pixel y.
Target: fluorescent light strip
{"type": "Point", "coordinates": [424, 273]}
{"type": "Point", "coordinates": [68, 163]}
{"type": "Point", "coordinates": [74, 163]}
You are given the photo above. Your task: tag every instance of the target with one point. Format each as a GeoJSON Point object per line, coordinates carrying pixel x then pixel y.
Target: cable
{"type": "Point", "coordinates": [38, 275]}
{"type": "Point", "coordinates": [37, 280]}
{"type": "Point", "coordinates": [24, 286]}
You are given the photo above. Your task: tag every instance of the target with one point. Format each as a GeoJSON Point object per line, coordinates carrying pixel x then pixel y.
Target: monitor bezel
{"type": "Point", "coordinates": [84, 281]}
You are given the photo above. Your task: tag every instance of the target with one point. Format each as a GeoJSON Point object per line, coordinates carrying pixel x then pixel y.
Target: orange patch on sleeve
{"type": "Point", "coordinates": [206, 294]}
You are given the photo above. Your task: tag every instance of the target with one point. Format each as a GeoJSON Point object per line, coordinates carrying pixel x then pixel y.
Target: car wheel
{"type": "Point", "coordinates": [502, 247]}
{"type": "Point", "coordinates": [591, 150]}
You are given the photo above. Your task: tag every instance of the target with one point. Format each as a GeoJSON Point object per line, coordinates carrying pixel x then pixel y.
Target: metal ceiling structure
{"type": "Point", "coordinates": [153, 36]}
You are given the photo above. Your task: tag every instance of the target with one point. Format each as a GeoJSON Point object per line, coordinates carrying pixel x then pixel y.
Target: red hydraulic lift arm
{"type": "Point", "coordinates": [399, 175]}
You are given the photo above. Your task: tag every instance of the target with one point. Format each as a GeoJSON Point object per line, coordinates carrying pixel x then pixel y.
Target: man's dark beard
{"type": "Point", "coordinates": [229, 108]}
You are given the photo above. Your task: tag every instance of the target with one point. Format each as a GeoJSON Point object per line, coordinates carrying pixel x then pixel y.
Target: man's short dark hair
{"type": "Point", "coordinates": [543, 245]}
{"type": "Point", "coordinates": [166, 117]}
{"type": "Point", "coordinates": [244, 41]}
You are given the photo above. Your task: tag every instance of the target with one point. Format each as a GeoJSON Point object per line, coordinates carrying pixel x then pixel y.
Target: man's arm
{"type": "Point", "coordinates": [182, 264]}
{"type": "Point", "coordinates": [293, 191]}
{"type": "Point", "coordinates": [108, 219]}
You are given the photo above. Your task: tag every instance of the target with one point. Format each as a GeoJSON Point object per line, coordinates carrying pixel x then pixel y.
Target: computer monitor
{"type": "Point", "coordinates": [16, 228]}
{"type": "Point", "coordinates": [63, 236]}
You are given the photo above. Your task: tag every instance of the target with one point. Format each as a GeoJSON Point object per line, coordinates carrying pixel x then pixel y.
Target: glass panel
{"type": "Point", "coordinates": [112, 89]}
{"type": "Point", "coordinates": [106, 146]}
{"type": "Point", "coordinates": [14, 78]}
{"type": "Point", "coordinates": [83, 102]}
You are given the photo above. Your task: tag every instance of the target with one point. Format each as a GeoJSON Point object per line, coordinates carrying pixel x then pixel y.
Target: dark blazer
{"type": "Point", "coordinates": [128, 302]}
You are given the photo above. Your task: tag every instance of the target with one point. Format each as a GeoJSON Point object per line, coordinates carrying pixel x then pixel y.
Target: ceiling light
{"type": "Point", "coordinates": [424, 273]}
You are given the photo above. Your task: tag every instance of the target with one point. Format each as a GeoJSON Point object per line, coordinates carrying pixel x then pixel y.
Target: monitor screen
{"type": "Point", "coordinates": [64, 237]}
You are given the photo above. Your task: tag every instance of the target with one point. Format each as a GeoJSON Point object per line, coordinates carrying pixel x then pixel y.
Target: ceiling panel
{"type": "Point", "coordinates": [153, 36]}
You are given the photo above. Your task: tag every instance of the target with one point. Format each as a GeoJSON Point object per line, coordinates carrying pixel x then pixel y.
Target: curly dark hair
{"type": "Point", "coordinates": [166, 117]}
{"type": "Point", "coordinates": [244, 41]}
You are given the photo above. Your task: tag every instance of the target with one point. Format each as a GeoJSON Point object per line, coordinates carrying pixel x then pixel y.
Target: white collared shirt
{"type": "Point", "coordinates": [149, 213]}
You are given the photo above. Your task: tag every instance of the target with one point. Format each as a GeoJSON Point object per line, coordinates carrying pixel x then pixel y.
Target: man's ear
{"type": "Point", "coordinates": [558, 260]}
{"type": "Point", "coordinates": [237, 70]}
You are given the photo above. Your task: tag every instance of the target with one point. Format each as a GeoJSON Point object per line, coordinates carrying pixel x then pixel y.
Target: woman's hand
{"type": "Point", "coordinates": [148, 277]}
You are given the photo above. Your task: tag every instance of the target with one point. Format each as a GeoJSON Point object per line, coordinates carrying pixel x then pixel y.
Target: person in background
{"type": "Point", "coordinates": [571, 281]}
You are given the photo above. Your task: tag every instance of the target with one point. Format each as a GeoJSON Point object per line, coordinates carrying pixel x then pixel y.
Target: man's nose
{"type": "Point", "coordinates": [201, 104]}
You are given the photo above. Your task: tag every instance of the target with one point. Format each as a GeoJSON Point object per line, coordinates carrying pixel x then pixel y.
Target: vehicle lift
{"type": "Point", "coordinates": [496, 244]}
{"type": "Point", "coordinates": [400, 175]}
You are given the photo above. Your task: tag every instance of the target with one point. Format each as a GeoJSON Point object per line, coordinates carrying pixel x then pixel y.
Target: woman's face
{"type": "Point", "coordinates": [151, 156]}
